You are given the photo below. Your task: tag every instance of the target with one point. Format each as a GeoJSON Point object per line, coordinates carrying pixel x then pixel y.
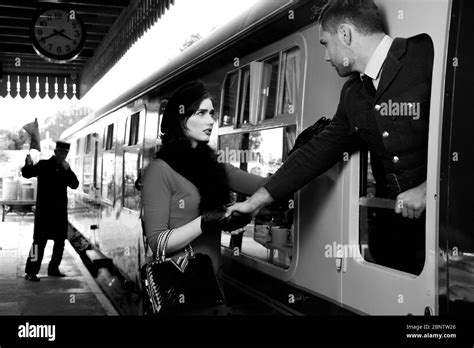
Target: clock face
{"type": "Point", "coordinates": [58, 35]}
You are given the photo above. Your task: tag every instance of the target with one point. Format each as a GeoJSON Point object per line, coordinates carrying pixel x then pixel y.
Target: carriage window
{"type": "Point", "coordinates": [244, 105]}
{"type": "Point", "coordinates": [269, 237]}
{"type": "Point", "coordinates": [229, 108]}
{"type": "Point", "coordinates": [262, 90]}
{"type": "Point", "coordinates": [385, 237]}
{"type": "Point", "coordinates": [109, 142]}
{"type": "Point", "coordinates": [108, 176]}
{"type": "Point", "coordinates": [78, 143]}
{"type": "Point", "coordinates": [88, 144]}
{"type": "Point", "coordinates": [289, 80]}
{"type": "Point", "coordinates": [87, 174]}
{"type": "Point", "coordinates": [131, 195]}
{"type": "Point", "coordinates": [133, 122]}
{"type": "Point", "coordinates": [269, 88]}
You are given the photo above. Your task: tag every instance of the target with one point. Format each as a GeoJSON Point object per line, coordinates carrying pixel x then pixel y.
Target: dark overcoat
{"type": "Point", "coordinates": [51, 198]}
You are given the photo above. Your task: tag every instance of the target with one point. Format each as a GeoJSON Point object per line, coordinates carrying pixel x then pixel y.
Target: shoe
{"type": "Point", "coordinates": [32, 277]}
{"type": "Point", "coordinates": [56, 274]}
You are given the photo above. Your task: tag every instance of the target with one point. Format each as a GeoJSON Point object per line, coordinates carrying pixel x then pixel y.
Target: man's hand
{"type": "Point", "coordinates": [28, 160]}
{"type": "Point", "coordinates": [412, 202]}
{"type": "Point", "coordinates": [252, 205]}
{"type": "Point", "coordinates": [65, 165]}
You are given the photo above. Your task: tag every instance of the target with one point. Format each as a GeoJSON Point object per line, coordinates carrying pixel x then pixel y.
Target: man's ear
{"type": "Point", "coordinates": [344, 33]}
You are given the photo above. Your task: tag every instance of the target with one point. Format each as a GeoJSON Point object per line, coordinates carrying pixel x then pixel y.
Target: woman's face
{"type": "Point", "coordinates": [199, 125]}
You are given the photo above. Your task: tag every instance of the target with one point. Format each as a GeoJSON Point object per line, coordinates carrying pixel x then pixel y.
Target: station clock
{"type": "Point", "coordinates": [57, 35]}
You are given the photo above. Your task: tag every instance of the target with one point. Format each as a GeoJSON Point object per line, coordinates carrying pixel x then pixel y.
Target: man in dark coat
{"type": "Point", "coordinates": [54, 176]}
{"type": "Point", "coordinates": [384, 107]}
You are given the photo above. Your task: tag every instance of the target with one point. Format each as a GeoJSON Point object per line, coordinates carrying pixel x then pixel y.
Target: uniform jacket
{"type": "Point", "coordinates": [51, 199]}
{"type": "Point", "coordinates": [393, 125]}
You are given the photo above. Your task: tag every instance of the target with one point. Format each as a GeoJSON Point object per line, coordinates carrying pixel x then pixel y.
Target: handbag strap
{"type": "Point", "coordinates": [159, 245]}
{"type": "Point", "coordinates": [163, 239]}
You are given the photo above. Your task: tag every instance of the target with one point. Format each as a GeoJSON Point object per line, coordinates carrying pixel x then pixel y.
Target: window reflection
{"type": "Point", "coordinates": [108, 172]}
{"type": "Point", "coordinates": [270, 237]}
{"type": "Point", "coordinates": [87, 174]}
{"type": "Point", "coordinates": [131, 196]}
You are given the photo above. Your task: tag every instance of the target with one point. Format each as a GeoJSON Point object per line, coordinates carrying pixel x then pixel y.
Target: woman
{"type": "Point", "coordinates": [184, 188]}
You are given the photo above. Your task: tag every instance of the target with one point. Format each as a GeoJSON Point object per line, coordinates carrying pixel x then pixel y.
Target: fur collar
{"type": "Point", "coordinates": [199, 165]}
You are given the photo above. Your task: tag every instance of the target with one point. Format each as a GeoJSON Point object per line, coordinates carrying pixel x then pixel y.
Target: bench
{"type": "Point", "coordinates": [16, 206]}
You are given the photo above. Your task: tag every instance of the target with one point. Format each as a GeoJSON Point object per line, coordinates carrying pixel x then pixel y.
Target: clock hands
{"type": "Point", "coordinates": [64, 35]}
{"type": "Point", "coordinates": [53, 34]}
{"type": "Point", "coordinates": [56, 32]}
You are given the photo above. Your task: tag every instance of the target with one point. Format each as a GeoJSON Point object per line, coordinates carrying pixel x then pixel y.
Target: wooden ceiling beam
{"type": "Point", "coordinates": [20, 49]}
{"type": "Point", "coordinates": [27, 15]}
{"type": "Point", "coordinates": [95, 28]}
{"type": "Point", "coordinates": [113, 4]}
{"type": "Point", "coordinates": [10, 55]}
{"type": "Point", "coordinates": [28, 63]}
{"type": "Point", "coordinates": [24, 33]}
{"type": "Point", "coordinates": [27, 41]}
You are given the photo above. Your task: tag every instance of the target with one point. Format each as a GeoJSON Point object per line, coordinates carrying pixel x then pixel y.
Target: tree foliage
{"type": "Point", "coordinates": [13, 141]}
{"type": "Point", "coordinates": [57, 124]}
{"type": "Point", "coordinates": [190, 40]}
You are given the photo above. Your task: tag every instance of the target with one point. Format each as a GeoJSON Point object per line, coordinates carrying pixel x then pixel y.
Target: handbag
{"type": "Point", "coordinates": [188, 284]}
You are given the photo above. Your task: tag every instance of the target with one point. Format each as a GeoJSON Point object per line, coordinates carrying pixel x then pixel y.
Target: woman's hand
{"type": "Point", "coordinates": [216, 221]}
{"type": "Point", "coordinates": [236, 232]}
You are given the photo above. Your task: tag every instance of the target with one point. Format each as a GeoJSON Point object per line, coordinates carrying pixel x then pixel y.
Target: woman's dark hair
{"type": "Point", "coordinates": [363, 14]}
{"type": "Point", "coordinates": [180, 107]}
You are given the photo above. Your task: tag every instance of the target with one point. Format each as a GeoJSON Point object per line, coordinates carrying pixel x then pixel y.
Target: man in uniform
{"type": "Point", "coordinates": [387, 76]}
{"type": "Point", "coordinates": [54, 176]}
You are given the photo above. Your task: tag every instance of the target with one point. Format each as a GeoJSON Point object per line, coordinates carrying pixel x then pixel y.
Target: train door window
{"type": "Point", "coordinates": [87, 174]}
{"type": "Point", "coordinates": [87, 165]}
{"type": "Point", "coordinates": [131, 163]}
{"type": "Point", "coordinates": [270, 237]}
{"type": "Point", "coordinates": [108, 166]}
{"type": "Point", "coordinates": [161, 110]}
{"type": "Point", "coordinates": [104, 138]}
{"type": "Point", "coordinates": [230, 99]}
{"type": "Point", "coordinates": [88, 144]}
{"type": "Point", "coordinates": [269, 88]}
{"type": "Point", "coordinates": [133, 129]}
{"type": "Point", "coordinates": [289, 81]}
{"type": "Point", "coordinates": [108, 176]}
{"type": "Point", "coordinates": [109, 142]}
{"type": "Point", "coordinates": [95, 142]}
{"type": "Point", "coordinates": [385, 237]}
{"type": "Point", "coordinates": [78, 144]}
{"type": "Point", "coordinates": [244, 107]}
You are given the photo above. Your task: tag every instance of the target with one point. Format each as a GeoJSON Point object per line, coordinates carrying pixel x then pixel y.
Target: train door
{"type": "Point", "coordinates": [95, 187]}
{"type": "Point", "coordinates": [367, 286]}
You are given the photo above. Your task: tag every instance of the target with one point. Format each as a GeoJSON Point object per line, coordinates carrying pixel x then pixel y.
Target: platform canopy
{"type": "Point", "coordinates": [111, 26]}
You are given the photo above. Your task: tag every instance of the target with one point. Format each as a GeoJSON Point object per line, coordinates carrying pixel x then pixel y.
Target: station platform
{"type": "Point", "coordinates": [77, 294]}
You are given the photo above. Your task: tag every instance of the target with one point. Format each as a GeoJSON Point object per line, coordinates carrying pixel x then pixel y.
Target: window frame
{"type": "Point", "coordinates": [279, 119]}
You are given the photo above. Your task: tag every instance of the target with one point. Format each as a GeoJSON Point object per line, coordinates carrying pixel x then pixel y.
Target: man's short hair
{"type": "Point", "coordinates": [363, 14]}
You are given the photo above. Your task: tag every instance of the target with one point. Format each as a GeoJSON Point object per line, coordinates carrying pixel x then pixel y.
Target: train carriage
{"type": "Point", "coordinates": [267, 73]}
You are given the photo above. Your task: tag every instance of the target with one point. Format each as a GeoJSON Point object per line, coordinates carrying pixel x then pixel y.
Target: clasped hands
{"type": "Point", "coordinates": [217, 221]}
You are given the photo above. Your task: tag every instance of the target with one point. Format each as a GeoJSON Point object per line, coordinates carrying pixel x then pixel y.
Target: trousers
{"type": "Point", "coordinates": [35, 257]}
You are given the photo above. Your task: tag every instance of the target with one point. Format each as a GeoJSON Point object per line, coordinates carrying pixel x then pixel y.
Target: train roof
{"type": "Point", "coordinates": [257, 14]}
